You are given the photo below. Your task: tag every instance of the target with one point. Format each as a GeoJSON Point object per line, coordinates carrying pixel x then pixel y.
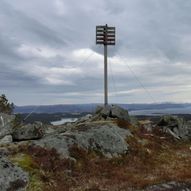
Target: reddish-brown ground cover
{"type": "Point", "coordinates": [153, 158]}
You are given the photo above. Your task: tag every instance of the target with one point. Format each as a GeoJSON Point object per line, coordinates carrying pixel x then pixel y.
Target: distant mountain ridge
{"type": "Point", "coordinates": [79, 108]}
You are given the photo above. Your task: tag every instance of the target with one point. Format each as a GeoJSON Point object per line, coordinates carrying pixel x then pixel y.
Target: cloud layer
{"type": "Point", "coordinates": [48, 52]}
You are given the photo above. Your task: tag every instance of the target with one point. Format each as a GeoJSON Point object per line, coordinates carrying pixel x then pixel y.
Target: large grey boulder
{"type": "Point", "coordinates": [176, 127]}
{"type": "Point", "coordinates": [29, 132]}
{"type": "Point", "coordinates": [12, 177]}
{"type": "Point", "coordinates": [106, 138]}
{"type": "Point", "coordinates": [112, 111]}
{"type": "Point", "coordinates": [6, 124]}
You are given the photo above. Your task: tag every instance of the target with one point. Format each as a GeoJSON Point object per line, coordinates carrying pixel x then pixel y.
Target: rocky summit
{"type": "Point", "coordinates": [108, 150]}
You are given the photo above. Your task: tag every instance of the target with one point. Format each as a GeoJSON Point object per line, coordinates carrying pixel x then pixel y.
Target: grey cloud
{"type": "Point", "coordinates": [21, 26]}
{"type": "Point", "coordinates": [155, 33]}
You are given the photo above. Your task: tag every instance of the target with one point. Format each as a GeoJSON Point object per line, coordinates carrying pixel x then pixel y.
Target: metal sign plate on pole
{"type": "Point", "coordinates": [105, 35]}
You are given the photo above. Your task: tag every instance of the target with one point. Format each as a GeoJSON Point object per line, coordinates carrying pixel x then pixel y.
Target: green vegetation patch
{"type": "Point", "coordinates": [47, 170]}
{"type": "Point", "coordinates": [26, 162]}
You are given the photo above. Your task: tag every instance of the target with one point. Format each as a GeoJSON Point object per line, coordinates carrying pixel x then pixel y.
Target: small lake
{"type": "Point", "coordinates": [63, 121]}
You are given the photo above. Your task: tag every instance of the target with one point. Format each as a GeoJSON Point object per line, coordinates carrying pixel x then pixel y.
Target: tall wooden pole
{"type": "Point", "coordinates": [105, 76]}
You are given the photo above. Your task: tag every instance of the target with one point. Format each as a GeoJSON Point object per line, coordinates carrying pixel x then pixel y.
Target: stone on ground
{"type": "Point", "coordinates": [29, 132]}
{"type": "Point", "coordinates": [176, 127]}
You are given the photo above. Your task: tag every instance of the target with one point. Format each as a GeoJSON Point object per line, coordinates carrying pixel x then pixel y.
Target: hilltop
{"type": "Point", "coordinates": [109, 150]}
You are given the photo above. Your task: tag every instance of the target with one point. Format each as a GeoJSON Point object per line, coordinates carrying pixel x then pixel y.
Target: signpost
{"type": "Point", "coordinates": [105, 35]}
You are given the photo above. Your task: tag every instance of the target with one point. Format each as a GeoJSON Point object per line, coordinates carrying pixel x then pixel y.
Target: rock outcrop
{"type": "Point", "coordinates": [106, 138]}
{"type": "Point", "coordinates": [176, 127]}
{"type": "Point", "coordinates": [12, 177]}
{"type": "Point", "coordinates": [91, 133]}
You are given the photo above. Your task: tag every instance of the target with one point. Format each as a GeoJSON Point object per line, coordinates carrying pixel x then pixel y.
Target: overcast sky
{"type": "Point", "coordinates": [48, 53]}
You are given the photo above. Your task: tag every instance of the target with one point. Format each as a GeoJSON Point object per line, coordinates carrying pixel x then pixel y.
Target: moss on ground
{"type": "Point", "coordinates": [26, 162]}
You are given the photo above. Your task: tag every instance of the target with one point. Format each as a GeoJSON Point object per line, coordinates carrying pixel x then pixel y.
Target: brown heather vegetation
{"type": "Point", "coordinates": [153, 158]}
